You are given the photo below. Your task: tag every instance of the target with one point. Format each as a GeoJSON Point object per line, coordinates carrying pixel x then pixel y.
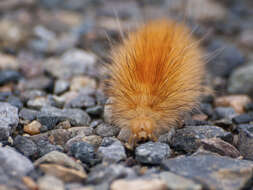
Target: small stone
{"type": "Point", "coordinates": [104, 173]}
{"type": "Point", "coordinates": [13, 163]}
{"type": "Point", "coordinates": [63, 173]}
{"type": "Point", "coordinates": [31, 94]}
{"type": "Point", "coordinates": [30, 183]}
{"type": "Point", "coordinates": [28, 114]}
{"type": "Point", "coordinates": [106, 130]}
{"type": "Point", "coordinates": [15, 101]}
{"type": "Point", "coordinates": [59, 136]}
{"type": "Point", "coordinates": [238, 102]}
{"type": "Point", "coordinates": [25, 146]}
{"type": "Point", "coordinates": [211, 170]}
{"type": "Point", "coordinates": [97, 110]}
{"type": "Point", "coordinates": [50, 116]}
{"type": "Point", "coordinates": [114, 152]}
{"type": "Point", "coordinates": [81, 82]}
{"type": "Point", "coordinates": [39, 82]}
{"type": "Point", "coordinates": [221, 147]}
{"type": "Point", "coordinates": [63, 125]}
{"type": "Point", "coordinates": [223, 112]}
{"type": "Point", "coordinates": [48, 182]}
{"type": "Point", "coordinates": [243, 118]}
{"type": "Point", "coordinates": [8, 62]}
{"type": "Point", "coordinates": [152, 153]}
{"type": "Point", "coordinates": [206, 109]}
{"type": "Point", "coordinates": [224, 64]}
{"type": "Point", "coordinates": [249, 107]}
{"type": "Point", "coordinates": [38, 103]}
{"type": "Point", "coordinates": [84, 152]}
{"type": "Point", "coordinates": [7, 76]}
{"type": "Point", "coordinates": [187, 139]}
{"type": "Point", "coordinates": [82, 101]}
{"type": "Point", "coordinates": [246, 38]}
{"type": "Point", "coordinates": [139, 184]}
{"type": "Point", "coordinates": [33, 128]}
{"type": "Point", "coordinates": [61, 86]}
{"type": "Point", "coordinates": [45, 147]}
{"type": "Point", "coordinates": [8, 120]}
{"type": "Point", "coordinates": [82, 131]}
{"type": "Point", "coordinates": [124, 134]}
{"type": "Point", "coordinates": [60, 158]}
{"type": "Point", "coordinates": [240, 81]}
{"type": "Point", "coordinates": [245, 141]}
{"type": "Point", "coordinates": [74, 62]}
{"type": "Point", "coordinates": [177, 182]}
{"type": "Point", "coordinates": [93, 140]}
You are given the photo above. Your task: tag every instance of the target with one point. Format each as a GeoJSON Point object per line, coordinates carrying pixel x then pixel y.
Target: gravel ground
{"type": "Point", "coordinates": [55, 131]}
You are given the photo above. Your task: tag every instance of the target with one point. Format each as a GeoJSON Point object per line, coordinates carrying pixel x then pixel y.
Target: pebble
{"type": "Point", "coordinates": [33, 128]}
{"type": "Point", "coordinates": [240, 81]}
{"type": "Point", "coordinates": [106, 130]}
{"type": "Point", "coordinates": [82, 101]}
{"type": "Point", "coordinates": [50, 116]}
{"type": "Point", "coordinates": [14, 164]}
{"type": "Point", "coordinates": [48, 182]}
{"type": "Point", "coordinates": [61, 86]}
{"type": "Point", "coordinates": [152, 153]}
{"type": "Point", "coordinates": [177, 182]}
{"type": "Point", "coordinates": [95, 111]}
{"type": "Point", "coordinates": [7, 76]}
{"type": "Point", "coordinates": [38, 103]}
{"type": "Point", "coordinates": [220, 147]}
{"type": "Point", "coordinates": [245, 141]}
{"type": "Point", "coordinates": [104, 173]}
{"type": "Point", "coordinates": [55, 157]}
{"type": "Point", "coordinates": [238, 102]}
{"type": "Point", "coordinates": [246, 38]}
{"type": "Point", "coordinates": [187, 139]}
{"type": "Point", "coordinates": [8, 120]}
{"type": "Point", "coordinates": [63, 173]}
{"type": "Point", "coordinates": [243, 118]}
{"type": "Point", "coordinates": [82, 82]}
{"type": "Point", "coordinates": [82, 131]}
{"type": "Point", "coordinates": [8, 62]}
{"type": "Point", "coordinates": [73, 62]}
{"type": "Point", "coordinates": [223, 112]}
{"type": "Point", "coordinates": [211, 170]}
{"type": "Point", "coordinates": [44, 147]}
{"type": "Point", "coordinates": [84, 152]}
{"type": "Point", "coordinates": [139, 184]}
{"type": "Point", "coordinates": [25, 146]}
{"type": "Point", "coordinates": [226, 62]}
{"type": "Point", "coordinates": [114, 152]}
{"type": "Point", "coordinates": [15, 101]}
{"type": "Point", "coordinates": [31, 94]}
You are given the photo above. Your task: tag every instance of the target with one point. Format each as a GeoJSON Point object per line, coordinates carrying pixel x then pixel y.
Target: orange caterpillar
{"type": "Point", "coordinates": [156, 76]}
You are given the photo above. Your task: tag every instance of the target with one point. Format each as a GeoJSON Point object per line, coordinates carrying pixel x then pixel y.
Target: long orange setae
{"type": "Point", "coordinates": [156, 76]}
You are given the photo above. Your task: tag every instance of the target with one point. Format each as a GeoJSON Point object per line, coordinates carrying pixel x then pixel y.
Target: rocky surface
{"type": "Point", "coordinates": [55, 121]}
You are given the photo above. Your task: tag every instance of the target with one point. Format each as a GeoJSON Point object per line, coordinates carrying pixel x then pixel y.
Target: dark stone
{"type": "Point", "coordinates": [206, 109]}
{"type": "Point", "coordinates": [188, 138]}
{"type": "Point", "coordinates": [28, 114]}
{"type": "Point", "coordinates": [245, 141]}
{"type": "Point", "coordinates": [84, 152]}
{"type": "Point", "coordinates": [212, 171]}
{"type": "Point", "coordinates": [223, 112]}
{"type": "Point", "coordinates": [50, 116]}
{"type": "Point", "coordinates": [249, 107]}
{"type": "Point", "coordinates": [45, 147]}
{"type": "Point", "coordinates": [152, 153]}
{"type": "Point", "coordinates": [7, 76]}
{"type": "Point", "coordinates": [96, 111]}
{"type": "Point", "coordinates": [15, 101]}
{"type": "Point", "coordinates": [243, 118]}
{"type": "Point", "coordinates": [26, 146]}
{"type": "Point", "coordinates": [224, 63]}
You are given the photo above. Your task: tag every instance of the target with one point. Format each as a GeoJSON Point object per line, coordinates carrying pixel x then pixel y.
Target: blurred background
{"type": "Point", "coordinates": [37, 36]}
